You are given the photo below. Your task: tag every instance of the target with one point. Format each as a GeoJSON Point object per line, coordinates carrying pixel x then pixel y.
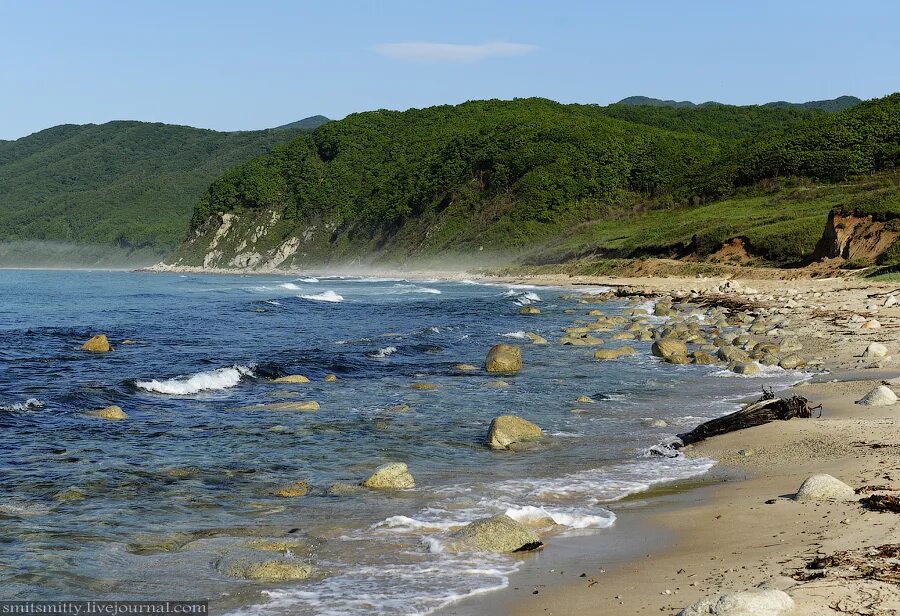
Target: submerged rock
{"type": "Point", "coordinates": [504, 359]}
{"type": "Point", "coordinates": [824, 487]}
{"type": "Point", "coordinates": [293, 490]}
{"type": "Point", "coordinates": [343, 488]}
{"type": "Point", "coordinates": [331, 378]}
{"type": "Point", "coordinates": [394, 475]}
{"type": "Point", "coordinates": [465, 368]}
{"type": "Point", "coordinates": [271, 571]}
{"type": "Point", "coordinates": [585, 400]}
{"type": "Point", "coordinates": [97, 344]}
{"type": "Point", "coordinates": [507, 430]}
{"type": "Point", "coordinates": [880, 396]}
{"type": "Point", "coordinates": [424, 386]}
{"type": "Point", "coordinates": [529, 310]}
{"type": "Point", "coordinates": [292, 378]}
{"type": "Point", "coordinates": [536, 338]}
{"type": "Point", "coordinates": [499, 534]}
{"type": "Point", "coordinates": [112, 413]}
{"type": "Point", "coordinates": [604, 354]}
{"type": "Point", "coordinates": [768, 602]}
{"type": "Point", "coordinates": [308, 405]}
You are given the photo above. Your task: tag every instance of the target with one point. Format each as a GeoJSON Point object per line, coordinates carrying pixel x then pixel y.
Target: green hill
{"type": "Point", "coordinates": [495, 179]}
{"type": "Point", "coordinates": [122, 192]}
{"type": "Point", "coordinates": [310, 123]}
{"type": "Point", "coordinates": [831, 105]}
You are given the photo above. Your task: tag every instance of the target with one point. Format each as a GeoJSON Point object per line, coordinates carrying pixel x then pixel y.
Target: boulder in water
{"type": "Point", "coordinates": [536, 338]}
{"type": "Point", "coordinates": [767, 602]}
{"type": "Point", "coordinates": [604, 354]}
{"type": "Point", "coordinates": [271, 571]}
{"type": "Point", "coordinates": [331, 378]}
{"type": "Point", "coordinates": [702, 358]}
{"type": "Point", "coordinates": [585, 400]}
{"type": "Point", "coordinates": [499, 534]}
{"type": "Point", "coordinates": [504, 359]}
{"type": "Point", "coordinates": [394, 475]}
{"type": "Point", "coordinates": [669, 347]}
{"type": "Point", "coordinates": [292, 378]}
{"type": "Point", "coordinates": [293, 490]}
{"type": "Point", "coordinates": [792, 362]}
{"type": "Point", "coordinates": [507, 430]}
{"type": "Point", "coordinates": [824, 487]}
{"type": "Point", "coordinates": [424, 386]}
{"type": "Point", "coordinates": [746, 369]}
{"type": "Point", "coordinates": [880, 396]}
{"type": "Point", "coordinates": [113, 413]}
{"type": "Point", "coordinates": [529, 310]}
{"type": "Point", "coordinates": [97, 344]}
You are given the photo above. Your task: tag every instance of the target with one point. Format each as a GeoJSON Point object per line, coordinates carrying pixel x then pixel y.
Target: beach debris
{"type": "Point", "coordinates": [504, 359]}
{"type": "Point", "coordinates": [97, 344]}
{"type": "Point", "coordinates": [876, 349]}
{"type": "Point", "coordinates": [508, 430]}
{"type": "Point", "coordinates": [271, 571]}
{"type": "Point", "coordinates": [112, 413]}
{"type": "Point", "coordinates": [824, 487]}
{"type": "Point", "coordinates": [870, 489]}
{"type": "Point", "coordinates": [880, 396]}
{"type": "Point", "coordinates": [500, 534]}
{"type": "Point", "coordinates": [394, 475]}
{"type": "Point", "coordinates": [884, 503]}
{"type": "Point", "coordinates": [769, 602]}
{"type": "Point", "coordinates": [292, 378]}
{"type": "Point", "coordinates": [768, 408]}
{"type": "Point", "coordinates": [881, 563]}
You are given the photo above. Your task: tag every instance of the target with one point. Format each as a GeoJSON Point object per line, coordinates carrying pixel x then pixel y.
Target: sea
{"type": "Point", "coordinates": [172, 501]}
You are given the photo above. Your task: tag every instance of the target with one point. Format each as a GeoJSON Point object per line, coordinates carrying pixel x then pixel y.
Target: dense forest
{"type": "Point", "coordinates": [130, 185]}
{"type": "Point", "coordinates": [504, 175]}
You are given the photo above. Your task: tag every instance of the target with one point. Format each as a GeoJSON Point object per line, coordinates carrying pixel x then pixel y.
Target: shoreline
{"type": "Point", "coordinates": [827, 314]}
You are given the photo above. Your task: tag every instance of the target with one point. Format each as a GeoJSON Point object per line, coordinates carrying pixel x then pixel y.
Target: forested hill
{"type": "Point", "coordinates": [118, 188]}
{"type": "Point", "coordinates": [310, 123]}
{"type": "Point", "coordinates": [502, 177]}
{"type": "Point", "coordinates": [834, 104]}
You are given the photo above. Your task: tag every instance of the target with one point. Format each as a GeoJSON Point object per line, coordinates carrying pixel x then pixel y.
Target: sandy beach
{"type": "Point", "coordinates": [742, 529]}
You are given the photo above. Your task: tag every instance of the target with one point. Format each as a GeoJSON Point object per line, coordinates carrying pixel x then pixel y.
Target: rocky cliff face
{"type": "Point", "coordinates": [855, 238]}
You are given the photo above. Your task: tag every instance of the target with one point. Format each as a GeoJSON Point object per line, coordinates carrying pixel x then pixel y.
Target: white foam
{"type": "Point", "coordinates": [309, 280]}
{"type": "Point", "coordinates": [519, 335]}
{"type": "Point", "coordinates": [382, 353]}
{"type": "Point", "coordinates": [411, 288]}
{"type": "Point", "coordinates": [571, 518]}
{"type": "Point", "coordinates": [290, 286]}
{"type": "Point", "coordinates": [405, 523]}
{"type": "Point", "coordinates": [327, 296]}
{"type": "Point", "coordinates": [221, 378]}
{"type": "Point", "coordinates": [32, 404]}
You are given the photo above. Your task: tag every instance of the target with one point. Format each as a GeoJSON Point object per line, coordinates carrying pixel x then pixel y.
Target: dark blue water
{"type": "Point", "coordinates": [164, 503]}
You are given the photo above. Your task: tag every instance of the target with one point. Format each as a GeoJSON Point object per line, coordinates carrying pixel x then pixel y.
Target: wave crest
{"type": "Point", "coordinates": [326, 296]}
{"type": "Point", "coordinates": [213, 380]}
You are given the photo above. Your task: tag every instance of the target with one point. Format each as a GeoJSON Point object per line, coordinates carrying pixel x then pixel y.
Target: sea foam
{"type": "Point", "coordinates": [221, 378]}
{"type": "Point", "coordinates": [326, 296]}
{"type": "Point", "coordinates": [32, 404]}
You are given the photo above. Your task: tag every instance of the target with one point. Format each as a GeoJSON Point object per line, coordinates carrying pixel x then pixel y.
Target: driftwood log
{"type": "Point", "coordinates": [766, 409]}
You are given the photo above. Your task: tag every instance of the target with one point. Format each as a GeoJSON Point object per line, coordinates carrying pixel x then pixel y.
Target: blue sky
{"type": "Point", "coordinates": [247, 65]}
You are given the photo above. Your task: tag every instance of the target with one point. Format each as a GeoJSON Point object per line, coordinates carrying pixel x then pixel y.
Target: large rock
{"type": "Point", "coordinates": [507, 430]}
{"type": "Point", "coordinates": [604, 354]}
{"type": "Point", "coordinates": [97, 344]}
{"type": "Point", "coordinates": [669, 347]}
{"type": "Point", "coordinates": [702, 358]}
{"type": "Point", "coordinates": [824, 487]}
{"type": "Point", "coordinates": [750, 603]}
{"type": "Point", "coordinates": [746, 369]}
{"type": "Point", "coordinates": [292, 378]}
{"type": "Point", "coordinates": [113, 413]}
{"type": "Point", "coordinates": [504, 359]}
{"type": "Point", "coordinates": [499, 534]}
{"type": "Point", "coordinates": [880, 396]}
{"type": "Point", "coordinates": [394, 475]}
{"type": "Point", "coordinates": [732, 354]}
{"type": "Point", "coordinates": [529, 310]}
{"type": "Point", "coordinates": [876, 349]}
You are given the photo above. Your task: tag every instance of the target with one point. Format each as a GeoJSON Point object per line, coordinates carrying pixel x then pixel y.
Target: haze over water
{"type": "Point", "coordinates": [167, 501]}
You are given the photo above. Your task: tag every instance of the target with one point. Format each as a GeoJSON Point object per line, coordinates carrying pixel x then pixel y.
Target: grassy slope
{"type": "Point", "coordinates": [130, 185]}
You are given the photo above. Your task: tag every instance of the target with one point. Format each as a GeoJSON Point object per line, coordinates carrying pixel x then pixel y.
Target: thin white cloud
{"type": "Point", "coordinates": [450, 52]}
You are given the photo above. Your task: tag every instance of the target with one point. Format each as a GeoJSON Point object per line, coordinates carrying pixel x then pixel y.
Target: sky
{"type": "Point", "coordinates": [249, 65]}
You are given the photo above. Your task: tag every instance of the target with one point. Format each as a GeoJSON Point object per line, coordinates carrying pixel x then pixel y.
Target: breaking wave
{"type": "Point", "coordinates": [221, 378]}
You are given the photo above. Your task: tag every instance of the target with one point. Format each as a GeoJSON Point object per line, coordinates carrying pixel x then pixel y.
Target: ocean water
{"type": "Point", "coordinates": [167, 503]}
